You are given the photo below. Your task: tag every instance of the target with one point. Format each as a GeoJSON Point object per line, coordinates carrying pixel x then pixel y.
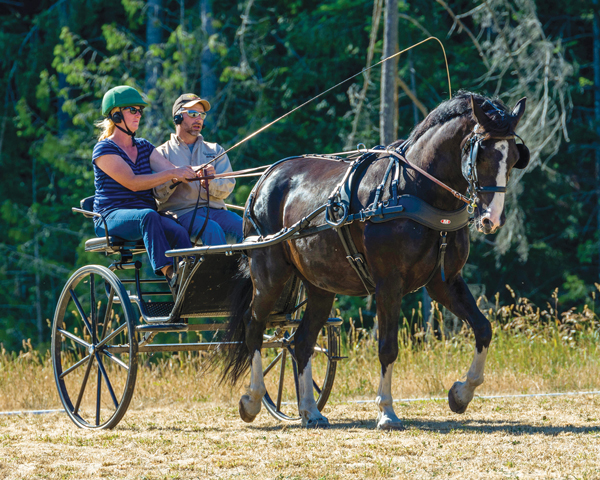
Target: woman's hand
{"type": "Point", "coordinates": [183, 174]}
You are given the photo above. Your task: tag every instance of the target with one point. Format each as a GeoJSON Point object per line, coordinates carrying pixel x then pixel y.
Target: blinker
{"type": "Point", "coordinates": [523, 156]}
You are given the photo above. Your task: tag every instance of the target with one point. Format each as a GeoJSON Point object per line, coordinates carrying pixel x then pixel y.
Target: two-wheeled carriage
{"type": "Point", "coordinates": [106, 317]}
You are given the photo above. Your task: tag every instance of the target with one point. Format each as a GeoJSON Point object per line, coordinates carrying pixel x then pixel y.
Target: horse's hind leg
{"type": "Point", "coordinates": [269, 272]}
{"type": "Point", "coordinates": [389, 299]}
{"type": "Point", "coordinates": [318, 306]}
{"type": "Point", "coordinates": [457, 298]}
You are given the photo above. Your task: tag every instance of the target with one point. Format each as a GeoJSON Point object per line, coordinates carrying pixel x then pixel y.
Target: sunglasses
{"type": "Point", "coordinates": [194, 114]}
{"type": "Point", "coordinates": [134, 110]}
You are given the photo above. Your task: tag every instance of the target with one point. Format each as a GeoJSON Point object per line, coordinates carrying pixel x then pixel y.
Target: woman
{"type": "Point", "coordinates": [123, 178]}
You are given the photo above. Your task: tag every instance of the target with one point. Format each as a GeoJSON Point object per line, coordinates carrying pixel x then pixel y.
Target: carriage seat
{"type": "Point", "coordinates": [116, 244]}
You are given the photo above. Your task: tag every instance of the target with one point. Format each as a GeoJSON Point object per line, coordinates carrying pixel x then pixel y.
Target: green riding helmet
{"type": "Point", "coordinates": [121, 96]}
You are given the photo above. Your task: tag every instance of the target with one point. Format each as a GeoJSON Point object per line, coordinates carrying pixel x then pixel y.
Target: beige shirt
{"type": "Point", "coordinates": [182, 199]}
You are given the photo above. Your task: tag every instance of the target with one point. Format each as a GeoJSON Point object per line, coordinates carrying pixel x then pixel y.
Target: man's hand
{"type": "Point", "coordinates": [206, 170]}
{"type": "Point", "coordinates": [209, 170]}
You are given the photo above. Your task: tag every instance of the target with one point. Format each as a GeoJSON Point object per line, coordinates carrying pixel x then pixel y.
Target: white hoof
{"type": "Point", "coordinates": [248, 411]}
{"type": "Point", "coordinates": [388, 422]}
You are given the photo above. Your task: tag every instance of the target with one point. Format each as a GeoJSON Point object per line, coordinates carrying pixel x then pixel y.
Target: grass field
{"type": "Point", "coordinates": [183, 424]}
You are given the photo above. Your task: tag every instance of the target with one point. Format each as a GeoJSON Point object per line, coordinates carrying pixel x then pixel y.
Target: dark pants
{"type": "Point", "coordinates": [159, 233]}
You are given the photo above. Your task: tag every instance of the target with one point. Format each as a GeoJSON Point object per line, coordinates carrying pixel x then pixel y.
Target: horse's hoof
{"type": "Point", "coordinates": [453, 403]}
{"type": "Point", "coordinates": [244, 415]}
{"type": "Point", "coordinates": [391, 426]}
{"type": "Point", "coordinates": [315, 423]}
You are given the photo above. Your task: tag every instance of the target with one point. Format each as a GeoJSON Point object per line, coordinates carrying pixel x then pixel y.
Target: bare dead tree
{"type": "Point", "coordinates": [512, 43]}
{"type": "Point", "coordinates": [388, 114]}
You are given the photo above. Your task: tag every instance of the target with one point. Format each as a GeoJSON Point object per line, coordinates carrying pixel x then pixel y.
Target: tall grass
{"type": "Point", "coordinates": [533, 350]}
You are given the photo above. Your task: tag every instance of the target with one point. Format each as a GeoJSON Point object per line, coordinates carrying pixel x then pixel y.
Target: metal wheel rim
{"type": "Point", "coordinates": [98, 278]}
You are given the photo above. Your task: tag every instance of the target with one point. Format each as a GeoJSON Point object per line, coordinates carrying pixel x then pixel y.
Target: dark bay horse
{"type": "Point", "coordinates": [400, 254]}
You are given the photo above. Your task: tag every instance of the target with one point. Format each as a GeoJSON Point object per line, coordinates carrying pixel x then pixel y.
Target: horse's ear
{"type": "Point", "coordinates": [517, 113]}
{"type": "Point", "coordinates": [478, 114]}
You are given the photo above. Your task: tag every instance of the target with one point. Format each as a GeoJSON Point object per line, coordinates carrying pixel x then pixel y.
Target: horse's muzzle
{"type": "Point", "coordinates": [486, 226]}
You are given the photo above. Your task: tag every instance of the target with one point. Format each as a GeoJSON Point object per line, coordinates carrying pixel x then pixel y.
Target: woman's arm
{"type": "Point", "coordinates": [116, 168]}
{"type": "Point", "coordinates": [159, 163]}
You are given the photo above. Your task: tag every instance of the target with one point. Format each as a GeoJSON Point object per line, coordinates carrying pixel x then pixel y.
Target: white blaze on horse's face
{"type": "Point", "coordinates": [492, 217]}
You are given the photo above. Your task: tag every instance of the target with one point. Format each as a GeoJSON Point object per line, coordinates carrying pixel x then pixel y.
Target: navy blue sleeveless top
{"type": "Point", "coordinates": [110, 194]}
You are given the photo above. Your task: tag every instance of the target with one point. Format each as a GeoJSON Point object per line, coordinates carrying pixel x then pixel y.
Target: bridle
{"type": "Point", "coordinates": [469, 164]}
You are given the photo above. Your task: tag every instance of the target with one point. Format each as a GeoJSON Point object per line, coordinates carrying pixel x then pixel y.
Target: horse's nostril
{"type": "Point", "coordinates": [486, 222]}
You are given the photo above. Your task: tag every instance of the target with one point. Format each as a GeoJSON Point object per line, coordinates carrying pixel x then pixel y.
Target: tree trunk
{"type": "Point", "coordinates": [62, 117]}
{"type": "Point", "coordinates": [153, 36]}
{"type": "Point", "coordinates": [597, 114]}
{"type": "Point", "coordinates": [208, 61]}
{"type": "Point", "coordinates": [36, 266]}
{"type": "Point", "coordinates": [388, 113]}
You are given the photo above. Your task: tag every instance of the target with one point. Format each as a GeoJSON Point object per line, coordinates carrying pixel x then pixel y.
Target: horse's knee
{"type": "Point", "coordinates": [483, 334]}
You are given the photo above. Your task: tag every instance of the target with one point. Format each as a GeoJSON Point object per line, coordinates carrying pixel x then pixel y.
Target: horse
{"type": "Point", "coordinates": [468, 144]}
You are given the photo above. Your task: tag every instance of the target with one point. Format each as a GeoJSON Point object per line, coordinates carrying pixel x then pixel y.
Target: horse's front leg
{"type": "Point", "coordinates": [456, 297]}
{"type": "Point", "coordinates": [315, 316]}
{"type": "Point", "coordinates": [388, 312]}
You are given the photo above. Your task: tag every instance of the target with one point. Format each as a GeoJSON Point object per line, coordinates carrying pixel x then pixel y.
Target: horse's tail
{"type": "Point", "coordinates": [236, 359]}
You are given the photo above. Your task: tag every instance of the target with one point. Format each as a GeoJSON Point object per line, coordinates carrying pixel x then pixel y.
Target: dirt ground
{"type": "Point", "coordinates": [556, 437]}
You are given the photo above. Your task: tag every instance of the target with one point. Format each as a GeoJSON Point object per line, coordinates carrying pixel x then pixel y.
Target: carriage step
{"type": "Point", "coordinates": [163, 327]}
{"type": "Point", "coordinates": [335, 322]}
{"type": "Point", "coordinates": [336, 358]}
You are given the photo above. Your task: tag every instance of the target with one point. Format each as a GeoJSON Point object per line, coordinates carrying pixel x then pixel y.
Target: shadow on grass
{"type": "Point", "coordinates": [464, 426]}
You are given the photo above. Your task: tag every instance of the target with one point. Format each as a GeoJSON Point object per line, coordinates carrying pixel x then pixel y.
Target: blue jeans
{"type": "Point", "coordinates": [221, 224]}
{"type": "Point", "coordinates": [159, 233]}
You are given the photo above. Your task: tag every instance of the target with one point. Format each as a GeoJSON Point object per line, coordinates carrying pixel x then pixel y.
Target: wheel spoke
{"type": "Point", "coordinates": [98, 395]}
{"type": "Point", "coordinates": [316, 387]}
{"type": "Point", "coordinates": [108, 385]}
{"type": "Point", "coordinates": [107, 323]}
{"type": "Point", "coordinates": [272, 364]}
{"type": "Point", "coordinates": [93, 308]}
{"type": "Point", "coordinates": [73, 367]}
{"type": "Point", "coordinates": [112, 335]}
{"type": "Point", "coordinates": [83, 384]}
{"type": "Point", "coordinates": [283, 355]}
{"type": "Point", "coordinates": [116, 360]}
{"type": "Point", "coordinates": [75, 338]}
{"type": "Point", "coordinates": [295, 370]}
{"type": "Point", "coordinates": [80, 310]}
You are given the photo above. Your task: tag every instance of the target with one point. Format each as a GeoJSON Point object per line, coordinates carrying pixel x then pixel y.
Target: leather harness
{"type": "Point", "coordinates": [338, 207]}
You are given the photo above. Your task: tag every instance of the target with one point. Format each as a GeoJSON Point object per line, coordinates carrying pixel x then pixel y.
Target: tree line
{"type": "Point", "coordinates": [255, 61]}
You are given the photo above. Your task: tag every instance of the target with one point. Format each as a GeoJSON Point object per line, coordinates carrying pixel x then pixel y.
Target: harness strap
{"type": "Point", "coordinates": [440, 259]}
{"type": "Point", "coordinates": [356, 259]}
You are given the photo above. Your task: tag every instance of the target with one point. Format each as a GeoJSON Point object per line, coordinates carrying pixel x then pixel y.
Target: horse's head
{"type": "Point", "coordinates": [489, 155]}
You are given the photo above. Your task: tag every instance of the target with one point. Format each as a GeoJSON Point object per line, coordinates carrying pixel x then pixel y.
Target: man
{"type": "Point", "coordinates": [187, 147]}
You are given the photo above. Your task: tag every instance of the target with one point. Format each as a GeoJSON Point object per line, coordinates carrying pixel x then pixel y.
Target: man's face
{"type": "Point", "coordinates": [192, 126]}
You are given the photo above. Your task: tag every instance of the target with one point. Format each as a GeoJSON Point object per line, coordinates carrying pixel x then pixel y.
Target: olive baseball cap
{"type": "Point", "coordinates": [187, 100]}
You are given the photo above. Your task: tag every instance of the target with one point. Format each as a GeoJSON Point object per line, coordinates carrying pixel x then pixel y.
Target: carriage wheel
{"type": "Point", "coordinates": [94, 348]}
{"type": "Point", "coordinates": [281, 373]}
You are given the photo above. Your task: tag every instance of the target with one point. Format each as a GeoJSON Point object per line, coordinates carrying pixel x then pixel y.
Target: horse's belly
{"type": "Point", "coordinates": [321, 260]}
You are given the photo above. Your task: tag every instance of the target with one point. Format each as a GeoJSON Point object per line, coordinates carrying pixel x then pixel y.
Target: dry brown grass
{"type": "Point", "coordinates": [508, 438]}
{"type": "Point", "coordinates": [183, 424]}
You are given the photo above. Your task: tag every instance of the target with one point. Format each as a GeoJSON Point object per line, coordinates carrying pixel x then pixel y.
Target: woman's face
{"type": "Point", "coordinates": [132, 119]}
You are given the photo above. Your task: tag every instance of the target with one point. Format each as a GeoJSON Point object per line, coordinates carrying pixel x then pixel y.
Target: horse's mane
{"type": "Point", "coordinates": [459, 106]}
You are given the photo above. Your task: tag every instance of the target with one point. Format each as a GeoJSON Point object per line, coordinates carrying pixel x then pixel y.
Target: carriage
{"type": "Point", "coordinates": [386, 222]}
{"type": "Point", "coordinates": [106, 317]}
